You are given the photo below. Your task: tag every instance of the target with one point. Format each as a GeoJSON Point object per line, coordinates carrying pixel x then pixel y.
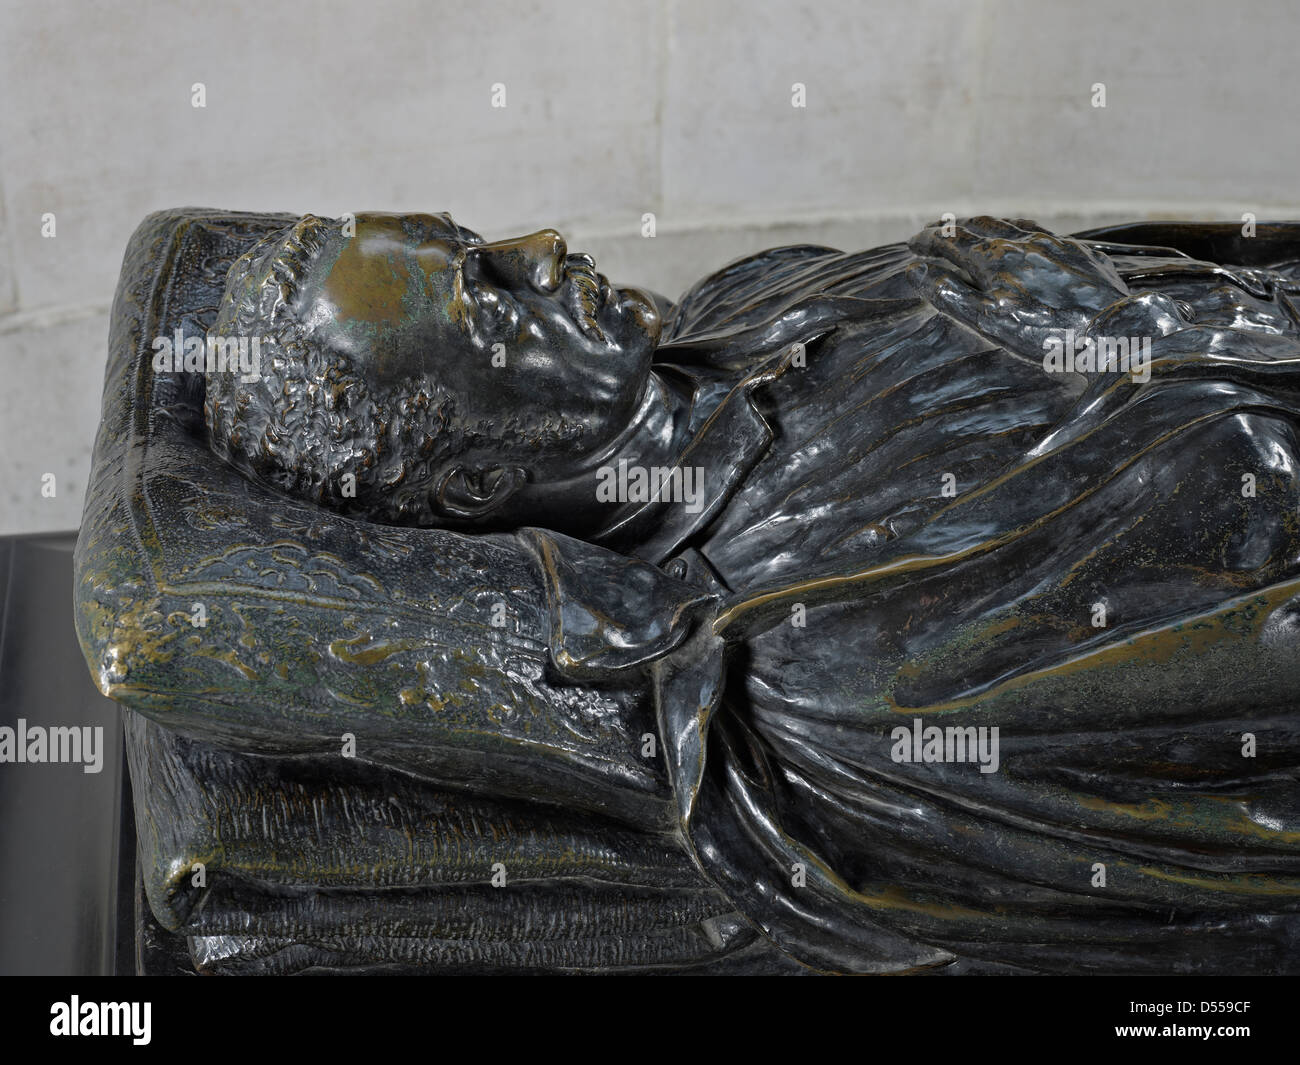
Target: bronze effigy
{"type": "Point", "coordinates": [930, 608]}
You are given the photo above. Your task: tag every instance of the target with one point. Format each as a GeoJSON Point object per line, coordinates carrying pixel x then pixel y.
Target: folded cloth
{"type": "Point", "coordinates": [279, 865]}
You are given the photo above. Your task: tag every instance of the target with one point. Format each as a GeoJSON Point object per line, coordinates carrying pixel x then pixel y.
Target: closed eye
{"type": "Point", "coordinates": [490, 304]}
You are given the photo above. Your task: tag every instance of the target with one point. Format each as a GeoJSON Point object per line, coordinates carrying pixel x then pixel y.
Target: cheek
{"type": "Point", "coordinates": [607, 384]}
{"type": "Point", "coordinates": [554, 369]}
{"type": "Point", "coordinates": [573, 372]}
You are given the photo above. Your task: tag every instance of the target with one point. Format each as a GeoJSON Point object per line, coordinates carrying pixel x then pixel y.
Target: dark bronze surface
{"type": "Point", "coordinates": [658, 734]}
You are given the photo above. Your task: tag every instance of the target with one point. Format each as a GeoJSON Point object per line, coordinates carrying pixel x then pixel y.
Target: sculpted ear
{"type": "Point", "coordinates": [475, 492]}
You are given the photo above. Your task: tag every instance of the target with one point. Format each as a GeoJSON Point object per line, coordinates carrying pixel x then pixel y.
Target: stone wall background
{"type": "Point", "coordinates": [682, 108]}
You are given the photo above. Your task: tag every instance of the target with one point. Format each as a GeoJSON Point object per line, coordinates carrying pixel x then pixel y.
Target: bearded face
{"type": "Point", "coordinates": [410, 350]}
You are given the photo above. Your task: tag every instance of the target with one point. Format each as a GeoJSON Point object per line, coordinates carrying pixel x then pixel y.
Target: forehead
{"type": "Point", "coordinates": [390, 265]}
{"type": "Point", "coordinates": [402, 236]}
{"type": "Point", "coordinates": [389, 292]}
{"type": "Point", "coordinates": [419, 228]}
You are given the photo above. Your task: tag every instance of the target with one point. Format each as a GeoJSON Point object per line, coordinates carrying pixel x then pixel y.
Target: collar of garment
{"type": "Point", "coordinates": [731, 437]}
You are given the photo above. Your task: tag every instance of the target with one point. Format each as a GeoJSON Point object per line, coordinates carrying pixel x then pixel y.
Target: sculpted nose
{"type": "Point", "coordinates": [536, 260]}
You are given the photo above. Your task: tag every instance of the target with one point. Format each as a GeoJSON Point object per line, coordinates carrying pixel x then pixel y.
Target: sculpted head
{"type": "Point", "coordinates": [415, 374]}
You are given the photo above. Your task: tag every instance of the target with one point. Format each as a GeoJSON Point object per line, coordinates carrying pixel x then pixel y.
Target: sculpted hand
{"type": "Point", "coordinates": [1012, 282]}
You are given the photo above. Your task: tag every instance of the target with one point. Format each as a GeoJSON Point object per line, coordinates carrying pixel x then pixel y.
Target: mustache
{"type": "Point", "coordinates": [584, 292]}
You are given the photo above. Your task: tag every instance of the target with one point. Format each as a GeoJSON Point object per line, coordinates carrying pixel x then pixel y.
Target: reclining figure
{"type": "Point", "coordinates": [929, 608]}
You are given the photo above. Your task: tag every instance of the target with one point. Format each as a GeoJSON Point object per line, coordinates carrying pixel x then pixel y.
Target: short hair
{"type": "Point", "coordinates": [312, 425]}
